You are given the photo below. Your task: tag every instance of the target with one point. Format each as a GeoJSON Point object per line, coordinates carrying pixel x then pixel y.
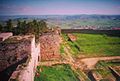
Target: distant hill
{"type": "Point", "coordinates": [72, 21]}
{"type": "Point", "coordinates": [63, 17]}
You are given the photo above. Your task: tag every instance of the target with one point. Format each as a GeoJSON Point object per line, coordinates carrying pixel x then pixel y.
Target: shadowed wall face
{"type": "Point", "coordinates": [19, 58]}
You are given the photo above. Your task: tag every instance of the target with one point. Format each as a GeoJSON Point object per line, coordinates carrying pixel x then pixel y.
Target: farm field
{"type": "Point", "coordinates": [94, 45]}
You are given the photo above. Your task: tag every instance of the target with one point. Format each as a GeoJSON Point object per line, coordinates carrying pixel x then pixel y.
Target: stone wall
{"type": "Point", "coordinates": [50, 45]}
{"type": "Point", "coordinates": [12, 51]}
{"type": "Point", "coordinates": [28, 72]}
{"type": "Point", "coordinates": [16, 49]}
{"type": "Point", "coordinates": [4, 36]}
{"type": "Point", "coordinates": [23, 54]}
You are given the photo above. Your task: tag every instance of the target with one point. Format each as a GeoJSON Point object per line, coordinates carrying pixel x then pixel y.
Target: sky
{"type": "Point", "coordinates": [59, 7]}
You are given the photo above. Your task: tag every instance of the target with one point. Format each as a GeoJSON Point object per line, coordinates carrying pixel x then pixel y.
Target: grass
{"type": "Point", "coordinates": [56, 73]}
{"type": "Point", "coordinates": [98, 44]}
{"type": "Point", "coordinates": [83, 76]}
{"type": "Point", "coordinates": [95, 44]}
{"type": "Point", "coordinates": [105, 64]}
{"type": "Point", "coordinates": [62, 49]}
{"type": "Point", "coordinates": [113, 63]}
{"type": "Point", "coordinates": [102, 68]}
{"type": "Point", "coordinates": [74, 49]}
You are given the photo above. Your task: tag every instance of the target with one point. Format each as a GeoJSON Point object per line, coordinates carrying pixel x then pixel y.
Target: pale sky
{"type": "Point", "coordinates": [59, 7]}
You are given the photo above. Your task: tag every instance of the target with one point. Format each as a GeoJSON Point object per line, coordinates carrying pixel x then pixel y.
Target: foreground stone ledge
{"type": "Point", "coordinates": [4, 36]}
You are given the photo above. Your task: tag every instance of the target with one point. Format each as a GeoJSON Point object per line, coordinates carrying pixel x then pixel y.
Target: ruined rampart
{"type": "Point", "coordinates": [20, 53]}
{"type": "Point", "coordinates": [50, 45]}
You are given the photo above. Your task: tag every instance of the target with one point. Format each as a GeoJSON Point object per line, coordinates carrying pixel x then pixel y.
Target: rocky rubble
{"type": "Point", "coordinates": [72, 37]}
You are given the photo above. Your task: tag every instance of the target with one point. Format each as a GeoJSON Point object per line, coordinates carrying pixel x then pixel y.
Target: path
{"type": "Point", "coordinates": [90, 62]}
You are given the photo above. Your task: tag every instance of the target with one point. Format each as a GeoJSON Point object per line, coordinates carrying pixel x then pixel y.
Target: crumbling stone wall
{"type": "Point", "coordinates": [16, 49]}
{"type": "Point", "coordinates": [4, 36]}
{"type": "Point", "coordinates": [27, 73]}
{"type": "Point", "coordinates": [12, 51]}
{"type": "Point", "coordinates": [50, 45]}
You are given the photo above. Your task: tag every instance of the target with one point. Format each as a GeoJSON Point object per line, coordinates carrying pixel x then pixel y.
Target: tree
{"type": "Point", "coordinates": [36, 27]}
{"type": "Point", "coordinates": [19, 24]}
{"type": "Point", "coordinates": [29, 28]}
{"type": "Point", "coordinates": [19, 27]}
{"type": "Point", "coordinates": [9, 25]}
{"type": "Point", "coordinates": [24, 24]}
{"type": "Point", "coordinates": [43, 26]}
{"type": "Point", "coordinates": [1, 28]}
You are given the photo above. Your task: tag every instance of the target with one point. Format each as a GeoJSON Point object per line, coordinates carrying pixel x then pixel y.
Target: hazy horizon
{"type": "Point", "coordinates": [55, 14]}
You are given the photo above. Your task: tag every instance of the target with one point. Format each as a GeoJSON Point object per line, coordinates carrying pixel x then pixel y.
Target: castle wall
{"type": "Point", "coordinates": [12, 51]}
{"type": "Point", "coordinates": [49, 46]}
{"type": "Point", "coordinates": [23, 51]}
{"type": "Point", "coordinates": [28, 72]}
{"type": "Point", "coordinates": [16, 49]}
{"type": "Point", "coordinates": [4, 36]}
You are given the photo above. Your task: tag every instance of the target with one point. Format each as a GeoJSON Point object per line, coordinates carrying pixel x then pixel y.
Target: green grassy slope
{"type": "Point", "coordinates": [56, 73]}
{"type": "Point", "coordinates": [95, 45]}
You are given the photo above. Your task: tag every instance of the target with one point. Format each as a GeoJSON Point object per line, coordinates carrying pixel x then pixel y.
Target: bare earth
{"type": "Point", "coordinates": [90, 62]}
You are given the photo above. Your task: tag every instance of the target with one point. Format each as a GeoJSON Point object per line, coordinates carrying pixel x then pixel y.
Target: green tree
{"type": "Point", "coordinates": [19, 27]}
{"type": "Point", "coordinates": [43, 26]}
{"type": "Point", "coordinates": [9, 25]}
{"type": "Point", "coordinates": [1, 28]}
{"type": "Point", "coordinates": [36, 30]}
{"type": "Point", "coordinates": [19, 24]}
{"type": "Point", "coordinates": [29, 28]}
{"type": "Point", "coordinates": [24, 24]}
{"type": "Point", "coordinates": [36, 27]}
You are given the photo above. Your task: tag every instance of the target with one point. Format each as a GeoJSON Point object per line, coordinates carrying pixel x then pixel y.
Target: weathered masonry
{"type": "Point", "coordinates": [19, 58]}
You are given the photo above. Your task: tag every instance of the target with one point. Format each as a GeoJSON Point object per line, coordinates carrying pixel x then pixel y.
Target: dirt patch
{"type": "Point", "coordinates": [90, 62]}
